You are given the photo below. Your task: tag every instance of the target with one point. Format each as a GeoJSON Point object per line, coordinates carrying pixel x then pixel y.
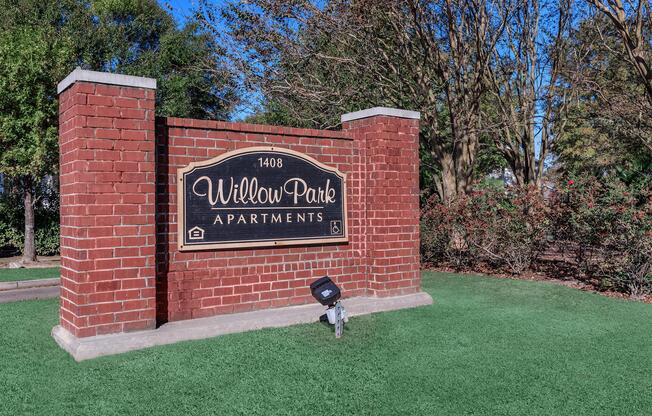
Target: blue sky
{"type": "Point", "coordinates": [181, 9]}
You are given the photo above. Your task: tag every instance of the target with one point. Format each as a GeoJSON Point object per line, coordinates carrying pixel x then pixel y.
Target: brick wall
{"type": "Point", "coordinates": [389, 183]}
{"type": "Point", "coordinates": [204, 283]}
{"type": "Point", "coordinates": [121, 269]}
{"type": "Point", "coordinates": [106, 142]}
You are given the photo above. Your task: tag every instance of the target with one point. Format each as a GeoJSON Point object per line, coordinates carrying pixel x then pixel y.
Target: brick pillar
{"type": "Point", "coordinates": [388, 143]}
{"type": "Point", "coordinates": [106, 141]}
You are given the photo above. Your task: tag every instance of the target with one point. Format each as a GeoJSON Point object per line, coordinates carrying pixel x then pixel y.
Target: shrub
{"type": "Point", "coordinates": [12, 222]}
{"type": "Point", "coordinates": [47, 240]}
{"type": "Point", "coordinates": [503, 228]}
{"type": "Point", "coordinates": [508, 227]}
{"type": "Point", "coordinates": [10, 238]}
{"type": "Point", "coordinates": [434, 232]}
{"type": "Point", "coordinates": [443, 234]}
{"type": "Point", "coordinates": [609, 230]}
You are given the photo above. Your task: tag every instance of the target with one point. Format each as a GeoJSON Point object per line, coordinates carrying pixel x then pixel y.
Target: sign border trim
{"type": "Point", "coordinates": [255, 243]}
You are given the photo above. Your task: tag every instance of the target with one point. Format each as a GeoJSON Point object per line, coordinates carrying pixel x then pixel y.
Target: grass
{"type": "Point", "coordinates": [12, 275]}
{"type": "Point", "coordinates": [487, 347]}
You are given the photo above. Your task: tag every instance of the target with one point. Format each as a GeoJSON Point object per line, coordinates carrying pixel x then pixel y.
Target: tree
{"type": "Point", "coordinates": [321, 60]}
{"type": "Point", "coordinates": [615, 72]}
{"type": "Point", "coordinates": [141, 38]}
{"type": "Point", "coordinates": [524, 78]}
{"type": "Point", "coordinates": [29, 60]}
{"type": "Point", "coordinates": [633, 23]}
{"type": "Point", "coordinates": [458, 40]}
{"type": "Point", "coordinates": [41, 42]}
{"type": "Point", "coordinates": [609, 131]}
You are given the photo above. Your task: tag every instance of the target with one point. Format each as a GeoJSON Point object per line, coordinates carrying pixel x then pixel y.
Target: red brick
{"type": "Point", "coordinates": [107, 161]}
{"type": "Point", "coordinates": [128, 124]}
{"type": "Point", "coordinates": [126, 102]}
{"type": "Point", "coordinates": [132, 134]}
{"type": "Point", "coordinates": [109, 90]}
{"type": "Point", "coordinates": [99, 122]}
{"type": "Point", "coordinates": [132, 92]}
{"type": "Point", "coordinates": [133, 113]}
{"type": "Point", "coordinates": [112, 112]}
{"type": "Point", "coordinates": [100, 101]}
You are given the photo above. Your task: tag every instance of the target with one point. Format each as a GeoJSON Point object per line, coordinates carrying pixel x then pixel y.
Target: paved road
{"type": "Point", "coordinates": [48, 292]}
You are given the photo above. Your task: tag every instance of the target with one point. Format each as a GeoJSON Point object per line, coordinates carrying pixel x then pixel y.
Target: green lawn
{"type": "Point", "coordinates": [487, 347]}
{"type": "Point", "coordinates": [11, 275]}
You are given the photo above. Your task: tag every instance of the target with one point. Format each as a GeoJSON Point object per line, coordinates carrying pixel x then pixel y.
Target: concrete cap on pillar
{"type": "Point", "coordinates": [105, 78]}
{"type": "Point", "coordinates": [380, 111]}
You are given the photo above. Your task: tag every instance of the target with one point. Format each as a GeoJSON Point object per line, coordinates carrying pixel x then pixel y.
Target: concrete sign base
{"type": "Point", "coordinates": [193, 329]}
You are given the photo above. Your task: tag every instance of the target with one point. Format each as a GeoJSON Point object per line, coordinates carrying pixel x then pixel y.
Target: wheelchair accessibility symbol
{"type": "Point", "coordinates": [336, 227]}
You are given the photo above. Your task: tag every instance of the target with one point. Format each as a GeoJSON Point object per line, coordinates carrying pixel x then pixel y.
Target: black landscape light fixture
{"type": "Point", "coordinates": [328, 294]}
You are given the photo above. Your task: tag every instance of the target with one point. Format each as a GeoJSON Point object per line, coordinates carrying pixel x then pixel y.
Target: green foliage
{"type": "Point", "coordinates": [47, 240]}
{"type": "Point", "coordinates": [609, 229]}
{"type": "Point", "coordinates": [41, 42]}
{"type": "Point", "coordinates": [11, 218]}
{"type": "Point", "coordinates": [138, 37]}
{"type": "Point", "coordinates": [10, 238]}
{"type": "Point", "coordinates": [12, 222]}
{"type": "Point", "coordinates": [33, 56]}
{"type": "Point", "coordinates": [606, 224]}
{"type": "Point", "coordinates": [40, 45]}
{"type": "Point", "coordinates": [276, 114]}
{"type": "Point", "coordinates": [29, 61]}
{"type": "Point", "coordinates": [607, 129]}
{"type": "Point", "coordinates": [637, 175]}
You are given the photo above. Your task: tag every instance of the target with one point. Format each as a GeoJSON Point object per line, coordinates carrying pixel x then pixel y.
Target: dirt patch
{"type": "Point", "coordinates": [43, 261]}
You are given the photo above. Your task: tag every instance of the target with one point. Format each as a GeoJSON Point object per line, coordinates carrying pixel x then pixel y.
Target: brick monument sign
{"type": "Point", "coordinates": [263, 212]}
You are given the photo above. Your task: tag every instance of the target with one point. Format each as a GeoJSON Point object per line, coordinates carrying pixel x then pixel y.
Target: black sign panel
{"type": "Point", "coordinates": [260, 196]}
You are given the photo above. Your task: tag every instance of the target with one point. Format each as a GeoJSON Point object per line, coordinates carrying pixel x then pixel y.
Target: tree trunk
{"type": "Point", "coordinates": [448, 182]}
{"type": "Point", "coordinates": [519, 176]}
{"type": "Point", "coordinates": [29, 248]}
{"type": "Point", "coordinates": [464, 160]}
